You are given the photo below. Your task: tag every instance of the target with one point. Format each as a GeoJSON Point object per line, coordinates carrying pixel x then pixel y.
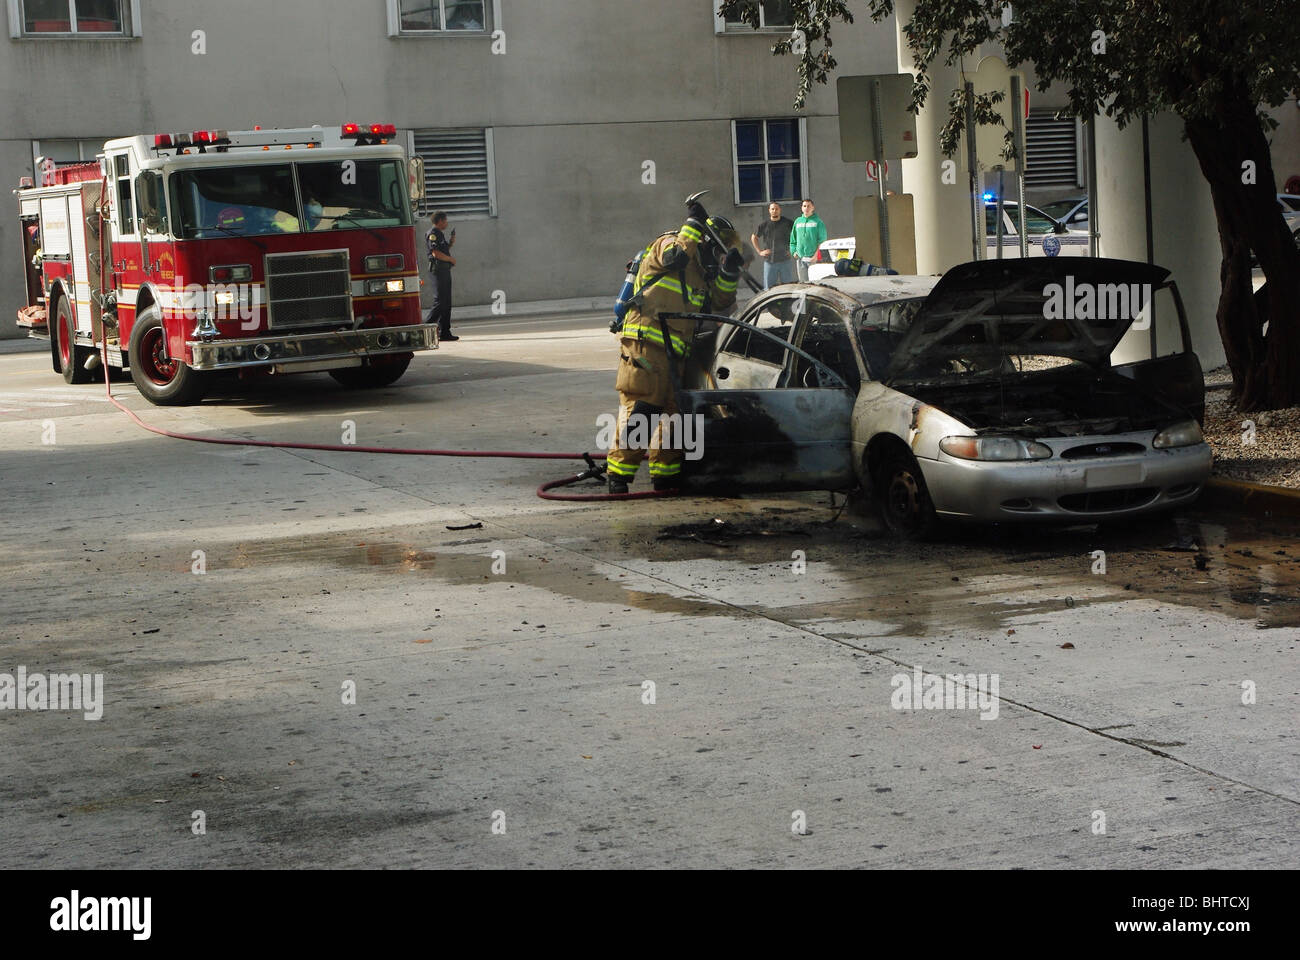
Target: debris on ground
{"type": "Point", "coordinates": [716, 532]}
{"type": "Point", "coordinates": [1183, 544]}
{"type": "Point", "coordinates": [468, 526]}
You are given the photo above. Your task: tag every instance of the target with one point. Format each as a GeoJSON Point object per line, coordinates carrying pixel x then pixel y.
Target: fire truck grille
{"type": "Point", "coordinates": [308, 289]}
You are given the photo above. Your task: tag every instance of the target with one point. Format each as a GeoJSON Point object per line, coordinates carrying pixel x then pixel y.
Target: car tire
{"type": "Point", "coordinates": [161, 380]}
{"type": "Point", "coordinates": [905, 505]}
{"type": "Point", "coordinates": [71, 358]}
{"type": "Point", "coordinates": [373, 374]}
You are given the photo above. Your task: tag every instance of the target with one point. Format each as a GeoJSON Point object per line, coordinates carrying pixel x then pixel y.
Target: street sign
{"type": "Point", "coordinates": [873, 170]}
{"type": "Point", "coordinates": [859, 125]}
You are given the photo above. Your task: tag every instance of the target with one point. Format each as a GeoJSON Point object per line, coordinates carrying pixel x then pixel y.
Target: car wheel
{"type": "Point", "coordinates": [376, 372]}
{"type": "Point", "coordinates": [905, 505]}
{"type": "Point", "coordinates": [72, 358]}
{"type": "Point", "coordinates": [161, 380]}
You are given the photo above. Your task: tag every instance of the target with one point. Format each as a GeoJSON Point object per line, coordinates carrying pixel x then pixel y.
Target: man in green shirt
{"type": "Point", "coordinates": [808, 234]}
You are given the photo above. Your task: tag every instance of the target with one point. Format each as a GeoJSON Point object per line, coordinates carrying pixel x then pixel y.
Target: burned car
{"type": "Point", "coordinates": [1044, 389]}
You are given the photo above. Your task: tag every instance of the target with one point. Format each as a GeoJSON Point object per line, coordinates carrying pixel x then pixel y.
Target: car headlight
{"type": "Point", "coordinates": [994, 448]}
{"type": "Point", "coordinates": [1179, 435]}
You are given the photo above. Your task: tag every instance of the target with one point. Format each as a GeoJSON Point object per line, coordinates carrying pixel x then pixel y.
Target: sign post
{"type": "Point", "coordinates": [875, 125]}
{"type": "Point", "coordinates": [1018, 130]}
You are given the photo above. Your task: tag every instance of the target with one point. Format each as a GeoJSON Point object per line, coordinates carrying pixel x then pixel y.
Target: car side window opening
{"type": "Point", "coordinates": [826, 338]}
{"type": "Point", "coordinates": [1161, 334]}
{"type": "Point", "coordinates": [777, 317]}
{"type": "Point", "coordinates": [1036, 224]}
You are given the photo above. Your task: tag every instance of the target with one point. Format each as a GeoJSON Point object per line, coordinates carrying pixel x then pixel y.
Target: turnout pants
{"type": "Point", "coordinates": [646, 400]}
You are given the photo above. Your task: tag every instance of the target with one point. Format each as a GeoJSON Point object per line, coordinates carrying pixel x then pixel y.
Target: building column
{"type": "Point", "coordinates": [942, 210]}
{"type": "Point", "coordinates": [1184, 228]}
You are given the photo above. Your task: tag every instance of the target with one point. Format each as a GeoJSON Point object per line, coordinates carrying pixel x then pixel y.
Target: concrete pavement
{"type": "Point", "coordinates": [503, 713]}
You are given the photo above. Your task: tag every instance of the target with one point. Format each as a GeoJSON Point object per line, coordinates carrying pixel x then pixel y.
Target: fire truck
{"type": "Point", "coordinates": [182, 256]}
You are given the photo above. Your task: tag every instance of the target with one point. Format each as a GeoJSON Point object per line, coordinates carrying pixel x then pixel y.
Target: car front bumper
{"type": "Point", "coordinates": [1064, 490]}
{"type": "Point", "coordinates": [310, 348]}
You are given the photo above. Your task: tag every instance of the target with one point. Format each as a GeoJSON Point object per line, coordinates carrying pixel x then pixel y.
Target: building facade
{"type": "Point", "coordinates": [559, 137]}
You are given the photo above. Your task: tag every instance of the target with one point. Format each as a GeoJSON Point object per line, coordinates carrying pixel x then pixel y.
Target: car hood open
{"type": "Point", "coordinates": [1076, 307]}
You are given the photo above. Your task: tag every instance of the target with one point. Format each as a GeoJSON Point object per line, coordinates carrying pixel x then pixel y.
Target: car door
{"type": "Point", "coordinates": [1160, 358]}
{"type": "Point", "coordinates": [775, 434]}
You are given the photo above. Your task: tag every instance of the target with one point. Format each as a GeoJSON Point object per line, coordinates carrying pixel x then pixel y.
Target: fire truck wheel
{"type": "Point", "coordinates": [160, 379]}
{"type": "Point", "coordinates": [72, 358]}
{"type": "Point", "coordinates": [377, 372]}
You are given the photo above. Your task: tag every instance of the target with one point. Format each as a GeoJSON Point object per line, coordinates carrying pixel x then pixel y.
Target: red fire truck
{"type": "Point", "coordinates": [257, 251]}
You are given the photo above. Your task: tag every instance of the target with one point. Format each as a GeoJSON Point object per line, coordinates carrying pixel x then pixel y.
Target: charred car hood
{"type": "Point", "coordinates": [1073, 307]}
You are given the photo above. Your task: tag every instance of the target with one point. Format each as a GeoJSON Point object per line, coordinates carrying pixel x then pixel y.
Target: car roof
{"type": "Point", "coordinates": [879, 288]}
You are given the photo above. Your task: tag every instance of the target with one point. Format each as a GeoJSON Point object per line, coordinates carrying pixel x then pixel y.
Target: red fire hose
{"type": "Point", "coordinates": [543, 491]}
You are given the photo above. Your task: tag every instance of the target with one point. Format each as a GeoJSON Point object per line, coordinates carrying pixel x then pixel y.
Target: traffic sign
{"type": "Point", "coordinates": [859, 125]}
{"type": "Point", "coordinates": [873, 169]}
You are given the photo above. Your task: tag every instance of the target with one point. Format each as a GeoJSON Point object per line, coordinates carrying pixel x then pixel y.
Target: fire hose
{"type": "Point", "coordinates": [544, 491]}
{"type": "Point", "coordinates": [593, 472]}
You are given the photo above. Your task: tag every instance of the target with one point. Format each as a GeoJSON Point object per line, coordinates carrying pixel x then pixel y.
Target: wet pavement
{"type": "Point", "coordinates": [650, 683]}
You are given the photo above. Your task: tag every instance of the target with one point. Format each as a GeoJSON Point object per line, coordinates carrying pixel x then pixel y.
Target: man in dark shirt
{"type": "Point", "coordinates": [771, 240]}
{"type": "Point", "coordinates": [440, 263]}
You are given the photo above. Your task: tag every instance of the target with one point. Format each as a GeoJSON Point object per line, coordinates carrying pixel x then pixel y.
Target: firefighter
{"type": "Point", "coordinates": [685, 272]}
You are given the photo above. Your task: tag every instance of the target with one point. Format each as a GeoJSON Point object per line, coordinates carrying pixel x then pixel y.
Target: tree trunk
{"type": "Point", "coordinates": [1265, 365]}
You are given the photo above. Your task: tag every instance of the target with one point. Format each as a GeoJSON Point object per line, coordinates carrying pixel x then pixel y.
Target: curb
{"type": "Point", "coordinates": [1257, 499]}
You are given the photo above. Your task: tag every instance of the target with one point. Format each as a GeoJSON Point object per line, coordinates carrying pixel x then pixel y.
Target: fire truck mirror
{"type": "Point", "coordinates": [417, 178]}
{"type": "Point", "coordinates": [148, 197]}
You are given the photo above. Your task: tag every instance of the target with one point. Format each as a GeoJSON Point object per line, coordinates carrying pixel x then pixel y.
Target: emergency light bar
{"type": "Point", "coordinates": [368, 134]}
{"type": "Point", "coordinates": [200, 141]}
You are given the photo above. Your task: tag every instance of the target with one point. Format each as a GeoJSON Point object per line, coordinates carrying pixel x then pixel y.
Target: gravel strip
{"type": "Point", "coordinates": [1273, 458]}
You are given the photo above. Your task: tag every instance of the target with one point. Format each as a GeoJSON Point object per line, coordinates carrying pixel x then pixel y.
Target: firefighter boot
{"type": "Point", "coordinates": [617, 484]}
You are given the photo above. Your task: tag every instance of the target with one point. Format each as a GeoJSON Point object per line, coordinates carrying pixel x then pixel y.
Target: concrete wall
{"type": "Point", "coordinates": [1285, 142]}
{"type": "Point", "coordinates": [585, 93]}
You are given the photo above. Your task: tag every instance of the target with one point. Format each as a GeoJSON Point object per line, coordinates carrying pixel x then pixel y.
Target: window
{"type": "Point", "coordinates": [768, 157]}
{"type": "Point", "coordinates": [827, 339]}
{"type": "Point", "coordinates": [248, 201]}
{"type": "Point", "coordinates": [371, 195]}
{"type": "Point", "coordinates": [459, 172]}
{"type": "Point", "coordinates": [775, 15]}
{"type": "Point", "coordinates": [1051, 151]}
{"type": "Point", "coordinates": [238, 201]}
{"type": "Point", "coordinates": [67, 151]}
{"type": "Point", "coordinates": [415, 17]}
{"type": "Point", "coordinates": [777, 316]}
{"type": "Point", "coordinates": [125, 200]}
{"type": "Point", "coordinates": [81, 18]}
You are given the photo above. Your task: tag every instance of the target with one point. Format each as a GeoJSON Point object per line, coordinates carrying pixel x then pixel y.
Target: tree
{"type": "Point", "coordinates": [1213, 63]}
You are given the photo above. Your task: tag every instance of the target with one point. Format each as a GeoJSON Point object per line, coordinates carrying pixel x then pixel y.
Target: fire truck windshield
{"type": "Point", "coordinates": [263, 199]}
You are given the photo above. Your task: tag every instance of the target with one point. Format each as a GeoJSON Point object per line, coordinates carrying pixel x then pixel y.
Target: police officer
{"type": "Point", "coordinates": [440, 263]}
{"type": "Point", "coordinates": [681, 272]}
